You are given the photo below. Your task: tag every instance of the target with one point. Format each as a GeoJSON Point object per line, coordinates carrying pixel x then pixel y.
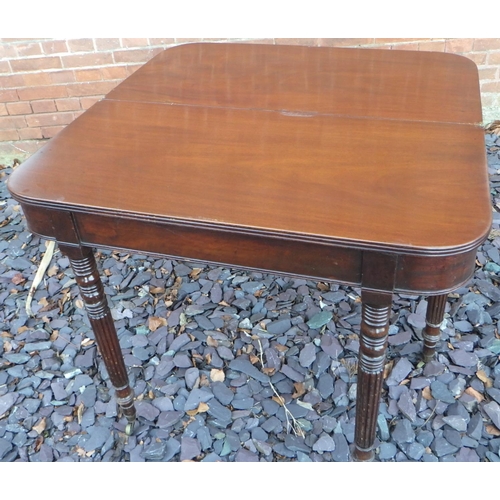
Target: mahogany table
{"type": "Point", "coordinates": [365, 167]}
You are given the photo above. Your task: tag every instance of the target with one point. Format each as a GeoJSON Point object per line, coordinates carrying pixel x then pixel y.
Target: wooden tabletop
{"type": "Point", "coordinates": [369, 148]}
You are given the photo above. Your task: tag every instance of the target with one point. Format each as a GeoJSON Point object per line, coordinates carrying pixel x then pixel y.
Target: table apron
{"type": "Point", "coordinates": [414, 273]}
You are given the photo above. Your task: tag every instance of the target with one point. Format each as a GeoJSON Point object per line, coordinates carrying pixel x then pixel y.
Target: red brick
{"type": "Point", "coordinates": [478, 57]}
{"type": "Point", "coordinates": [296, 41]}
{"type": "Point", "coordinates": [49, 119]}
{"type": "Point", "coordinates": [187, 40]}
{"type": "Point", "coordinates": [29, 147]}
{"type": "Point", "coordinates": [8, 96]}
{"type": "Point", "coordinates": [28, 49]}
{"type": "Point", "coordinates": [139, 55]}
{"type": "Point", "coordinates": [11, 81]}
{"type": "Point", "coordinates": [488, 73]}
{"type": "Point", "coordinates": [258, 41]}
{"type": "Point", "coordinates": [432, 46]}
{"type": "Point", "coordinates": [94, 59]}
{"type": "Point", "coordinates": [405, 46]}
{"type": "Point", "coordinates": [3, 109]}
{"type": "Point", "coordinates": [46, 92]}
{"type": "Point", "coordinates": [344, 42]}
{"type": "Point", "coordinates": [107, 43]}
{"type": "Point", "coordinates": [44, 106]}
{"type": "Point", "coordinates": [54, 47]}
{"type": "Point", "coordinates": [114, 72]}
{"type": "Point", "coordinates": [92, 88]}
{"type": "Point", "coordinates": [30, 133]}
{"type": "Point", "coordinates": [459, 45]}
{"type": "Point", "coordinates": [49, 132]}
{"type": "Point", "coordinates": [69, 104]}
{"type": "Point", "coordinates": [81, 45]}
{"type": "Point", "coordinates": [87, 75]}
{"type": "Point", "coordinates": [7, 52]}
{"type": "Point", "coordinates": [87, 102]}
{"type": "Point", "coordinates": [12, 122]}
{"type": "Point", "coordinates": [19, 108]}
{"type": "Point", "coordinates": [4, 67]}
{"type": "Point", "coordinates": [162, 41]}
{"type": "Point", "coordinates": [9, 135]}
{"type": "Point", "coordinates": [486, 44]}
{"type": "Point", "coordinates": [494, 58]}
{"type": "Point", "coordinates": [134, 42]}
{"type": "Point", "coordinates": [385, 41]}
{"type": "Point", "coordinates": [35, 63]}
{"type": "Point", "coordinates": [67, 76]}
{"type": "Point", "coordinates": [132, 68]}
{"type": "Point", "coordinates": [36, 79]}
{"type": "Point", "coordinates": [490, 87]}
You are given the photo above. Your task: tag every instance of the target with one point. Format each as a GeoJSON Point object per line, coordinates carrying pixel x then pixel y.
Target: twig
{"type": "Point", "coordinates": [295, 426]}
{"type": "Point", "coordinates": [44, 264]}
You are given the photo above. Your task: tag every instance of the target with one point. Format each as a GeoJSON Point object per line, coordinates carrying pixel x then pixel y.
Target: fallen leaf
{"type": "Point", "coordinates": [491, 429]}
{"type": "Point", "coordinates": [40, 426]}
{"type": "Point", "coordinates": [278, 400]}
{"type": "Point", "coordinates": [156, 289]}
{"type": "Point", "coordinates": [38, 443]}
{"type": "Point", "coordinates": [17, 279]}
{"type": "Point", "coordinates": [79, 303]}
{"type": "Point", "coordinates": [481, 375]}
{"type": "Point", "coordinates": [202, 408]}
{"type": "Point", "coordinates": [22, 329]}
{"type": "Point", "coordinates": [52, 271]}
{"type": "Point", "coordinates": [269, 371]}
{"type": "Point", "coordinates": [154, 323]}
{"type": "Point", "coordinates": [254, 359]}
{"type": "Point", "coordinates": [388, 369]}
{"type": "Point", "coordinates": [211, 342]}
{"type": "Point", "coordinates": [472, 392]}
{"type": "Point", "coordinates": [405, 381]}
{"type": "Point", "coordinates": [195, 273]}
{"type": "Point", "coordinates": [217, 375]}
{"type": "Point", "coordinates": [54, 335]}
{"type": "Point", "coordinates": [79, 412]}
{"type": "Point", "coordinates": [426, 393]}
{"type": "Point", "coordinates": [323, 287]}
{"type": "Point", "coordinates": [299, 390]}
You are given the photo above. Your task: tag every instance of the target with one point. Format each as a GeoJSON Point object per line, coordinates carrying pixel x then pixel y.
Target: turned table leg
{"type": "Point", "coordinates": [86, 275]}
{"type": "Point", "coordinates": [432, 331]}
{"type": "Point", "coordinates": [373, 344]}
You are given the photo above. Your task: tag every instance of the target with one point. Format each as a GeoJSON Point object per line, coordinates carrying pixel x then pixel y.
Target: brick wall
{"type": "Point", "coordinates": [46, 83]}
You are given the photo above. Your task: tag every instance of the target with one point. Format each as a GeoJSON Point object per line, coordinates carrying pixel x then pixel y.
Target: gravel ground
{"type": "Point", "coordinates": [237, 366]}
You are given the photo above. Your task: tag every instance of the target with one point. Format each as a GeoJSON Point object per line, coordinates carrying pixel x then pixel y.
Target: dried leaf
{"type": "Point", "coordinates": [22, 329]}
{"type": "Point", "coordinates": [299, 390]}
{"type": "Point", "coordinates": [211, 342]}
{"type": "Point", "coordinates": [279, 400]}
{"type": "Point", "coordinates": [472, 392]}
{"type": "Point", "coordinates": [405, 381]}
{"type": "Point", "coordinates": [52, 271]}
{"type": "Point", "coordinates": [44, 264]}
{"type": "Point", "coordinates": [491, 429]}
{"type": "Point", "coordinates": [156, 289]}
{"type": "Point", "coordinates": [323, 287]}
{"type": "Point", "coordinates": [43, 302]}
{"type": "Point", "coordinates": [217, 375]}
{"type": "Point", "coordinates": [388, 369]}
{"type": "Point", "coordinates": [195, 273]}
{"type": "Point", "coordinates": [40, 426]}
{"type": "Point", "coordinates": [54, 335]}
{"type": "Point", "coordinates": [79, 412]}
{"type": "Point", "coordinates": [481, 375]}
{"type": "Point", "coordinates": [426, 393]}
{"type": "Point", "coordinates": [154, 323]}
{"type": "Point", "coordinates": [7, 346]}
{"type": "Point", "coordinates": [17, 279]}
{"type": "Point", "coordinates": [202, 408]}
{"type": "Point", "coordinates": [79, 304]}
{"type": "Point", "coordinates": [254, 359]}
{"type": "Point", "coordinates": [269, 371]}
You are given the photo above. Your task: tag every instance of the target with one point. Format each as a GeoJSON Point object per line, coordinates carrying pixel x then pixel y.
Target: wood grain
{"type": "Point", "coordinates": [402, 186]}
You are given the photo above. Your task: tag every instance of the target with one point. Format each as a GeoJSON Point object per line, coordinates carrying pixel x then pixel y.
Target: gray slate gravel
{"type": "Point", "coordinates": [216, 326]}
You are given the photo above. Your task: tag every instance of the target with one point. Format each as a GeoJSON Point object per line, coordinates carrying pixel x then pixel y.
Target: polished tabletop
{"type": "Point", "coordinates": [366, 148]}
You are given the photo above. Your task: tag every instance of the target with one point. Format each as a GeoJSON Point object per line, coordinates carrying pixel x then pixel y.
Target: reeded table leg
{"type": "Point", "coordinates": [373, 345]}
{"type": "Point", "coordinates": [86, 275]}
{"type": "Point", "coordinates": [435, 314]}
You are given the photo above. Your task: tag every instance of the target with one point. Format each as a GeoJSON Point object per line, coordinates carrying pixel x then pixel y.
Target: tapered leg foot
{"type": "Point", "coordinates": [86, 275]}
{"type": "Point", "coordinates": [432, 331]}
{"type": "Point", "coordinates": [373, 344]}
